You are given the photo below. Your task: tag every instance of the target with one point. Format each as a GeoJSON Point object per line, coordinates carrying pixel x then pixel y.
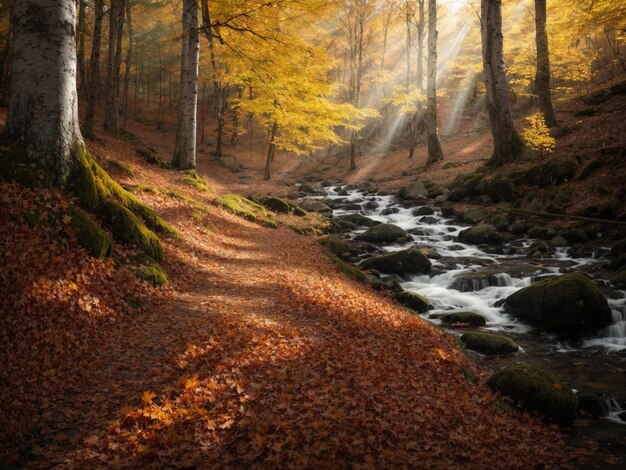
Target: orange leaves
{"type": "Point", "coordinates": [147, 397]}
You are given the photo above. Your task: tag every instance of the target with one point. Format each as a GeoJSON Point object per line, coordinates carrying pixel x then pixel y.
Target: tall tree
{"type": "Point", "coordinates": [94, 69]}
{"type": "Point", "coordinates": [187, 121]}
{"type": "Point", "coordinates": [43, 103]}
{"type": "Point", "coordinates": [542, 76]}
{"type": "Point", "coordinates": [114, 60]}
{"type": "Point", "coordinates": [128, 63]}
{"type": "Point", "coordinates": [82, 13]}
{"type": "Point", "coordinates": [507, 144]}
{"type": "Point", "coordinates": [434, 145]}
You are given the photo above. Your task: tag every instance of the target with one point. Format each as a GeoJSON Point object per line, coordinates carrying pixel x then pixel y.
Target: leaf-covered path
{"type": "Point", "coordinates": [259, 353]}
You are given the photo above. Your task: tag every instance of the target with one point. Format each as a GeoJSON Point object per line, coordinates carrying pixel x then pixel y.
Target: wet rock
{"type": "Point", "coordinates": [371, 205]}
{"type": "Point", "coordinates": [576, 235]}
{"type": "Point", "coordinates": [464, 318]}
{"type": "Point", "coordinates": [518, 226]}
{"type": "Point", "coordinates": [309, 189]}
{"type": "Point", "coordinates": [413, 301]}
{"type": "Point", "coordinates": [500, 221]}
{"type": "Point", "coordinates": [558, 242]}
{"type": "Point", "coordinates": [399, 262]}
{"type": "Point", "coordinates": [358, 219]}
{"type": "Point", "coordinates": [424, 210]}
{"type": "Point", "coordinates": [315, 205]}
{"type": "Point", "coordinates": [413, 190]}
{"type": "Point", "coordinates": [472, 282]}
{"type": "Point", "coordinates": [537, 249]}
{"type": "Point", "coordinates": [339, 226]}
{"type": "Point", "coordinates": [488, 343]}
{"type": "Point", "coordinates": [276, 204]}
{"type": "Point", "coordinates": [480, 234]}
{"type": "Point", "coordinates": [342, 192]}
{"type": "Point", "coordinates": [383, 233]}
{"type": "Point", "coordinates": [458, 194]}
{"type": "Point", "coordinates": [390, 210]}
{"type": "Point", "coordinates": [564, 303]}
{"type": "Point", "coordinates": [619, 279]}
{"type": "Point", "coordinates": [536, 390]}
{"type": "Point", "coordinates": [544, 232]}
{"type": "Point", "coordinates": [427, 219]}
{"type": "Point", "coordinates": [473, 215]}
{"type": "Point", "coordinates": [447, 209]}
{"type": "Point", "coordinates": [592, 403]}
{"type": "Point", "coordinates": [429, 252]}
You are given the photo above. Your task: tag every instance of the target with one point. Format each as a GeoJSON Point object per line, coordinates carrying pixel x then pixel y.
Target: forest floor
{"type": "Point", "coordinates": [257, 353]}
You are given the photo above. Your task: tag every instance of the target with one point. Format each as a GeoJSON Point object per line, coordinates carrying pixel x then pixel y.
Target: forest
{"type": "Point", "coordinates": [312, 234]}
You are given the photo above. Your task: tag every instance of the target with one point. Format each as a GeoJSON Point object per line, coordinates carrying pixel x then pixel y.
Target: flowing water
{"type": "Point", "coordinates": [467, 277]}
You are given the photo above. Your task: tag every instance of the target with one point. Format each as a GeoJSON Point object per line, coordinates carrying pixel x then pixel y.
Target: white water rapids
{"type": "Point", "coordinates": [467, 278]}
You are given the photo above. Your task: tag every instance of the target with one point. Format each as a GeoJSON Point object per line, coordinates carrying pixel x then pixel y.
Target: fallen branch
{"type": "Point", "coordinates": [563, 216]}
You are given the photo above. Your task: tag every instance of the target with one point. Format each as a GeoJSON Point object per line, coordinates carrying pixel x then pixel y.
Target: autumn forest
{"type": "Point", "coordinates": [312, 234]}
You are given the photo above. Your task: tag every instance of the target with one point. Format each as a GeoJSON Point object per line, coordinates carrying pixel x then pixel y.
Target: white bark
{"type": "Point", "coordinates": [43, 105]}
{"type": "Point", "coordinates": [186, 144]}
{"type": "Point", "coordinates": [434, 145]}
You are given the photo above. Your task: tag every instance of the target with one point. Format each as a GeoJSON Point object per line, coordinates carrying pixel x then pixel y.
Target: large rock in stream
{"type": "Point", "coordinates": [481, 234]}
{"type": "Point", "coordinates": [399, 262]}
{"type": "Point", "coordinates": [383, 233]}
{"type": "Point", "coordinates": [536, 390]}
{"type": "Point", "coordinates": [569, 302]}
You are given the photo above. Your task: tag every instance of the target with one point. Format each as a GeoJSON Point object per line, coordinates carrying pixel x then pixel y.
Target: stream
{"type": "Point", "coordinates": [466, 277]}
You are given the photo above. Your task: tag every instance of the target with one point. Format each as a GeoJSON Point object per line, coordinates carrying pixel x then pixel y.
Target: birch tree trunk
{"type": "Point", "coordinates": [94, 67]}
{"type": "Point", "coordinates": [542, 76]}
{"type": "Point", "coordinates": [507, 144]}
{"type": "Point", "coordinates": [189, 98]}
{"type": "Point", "coordinates": [43, 104]}
{"type": "Point", "coordinates": [434, 145]}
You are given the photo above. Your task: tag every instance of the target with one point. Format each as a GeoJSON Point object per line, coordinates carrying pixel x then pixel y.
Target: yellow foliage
{"type": "Point", "coordinates": [537, 135]}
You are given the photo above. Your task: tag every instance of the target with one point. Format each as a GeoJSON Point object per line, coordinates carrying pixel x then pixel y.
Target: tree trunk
{"type": "Point", "coordinates": [506, 141]}
{"type": "Point", "coordinates": [420, 46]}
{"type": "Point", "coordinates": [94, 74]}
{"type": "Point", "coordinates": [82, 82]}
{"type": "Point", "coordinates": [434, 145]}
{"type": "Point", "coordinates": [111, 108]}
{"type": "Point", "coordinates": [271, 149]}
{"type": "Point", "coordinates": [189, 87]}
{"type": "Point", "coordinates": [542, 76]}
{"type": "Point", "coordinates": [129, 58]}
{"type": "Point", "coordinates": [43, 104]}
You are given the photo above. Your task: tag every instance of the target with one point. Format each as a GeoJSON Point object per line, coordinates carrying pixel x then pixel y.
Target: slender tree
{"type": "Point", "coordinates": [114, 60]}
{"type": "Point", "coordinates": [507, 144]}
{"type": "Point", "coordinates": [94, 70]}
{"type": "Point", "coordinates": [127, 64]}
{"type": "Point", "coordinates": [82, 13]}
{"type": "Point", "coordinates": [434, 145]}
{"type": "Point", "coordinates": [542, 76]}
{"type": "Point", "coordinates": [187, 124]}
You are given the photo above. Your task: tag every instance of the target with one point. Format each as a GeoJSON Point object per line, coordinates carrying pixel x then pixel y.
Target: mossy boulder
{"type": "Point", "coordinates": [500, 221]}
{"type": "Point", "coordinates": [618, 248]}
{"type": "Point", "coordinates": [352, 272]}
{"type": "Point", "coordinates": [563, 303]}
{"type": "Point", "coordinates": [499, 188]}
{"type": "Point", "coordinates": [413, 190]}
{"type": "Point", "coordinates": [338, 246]}
{"type": "Point", "coordinates": [464, 318]}
{"type": "Point", "coordinates": [146, 268]}
{"type": "Point", "coordinates": [536, 390]}
{"type": "Point", "coordinates": [90, 235]}
{"type": "Point", "coordinates": [358, 219]}
{"type": "Point", "coordinates": [473, 215]}
{"type": "Point", "coordinates": [245, 208]}
{"type": "Point", "coordinates": [383, 233]}
{"type": "Point", "coordinates": [489, 343]}
{"type": "Point", "coordinates": [276, 204]}
{"type": "Point", "coordinates": [551, 173]}
{"type": "Point", "coordinates": [399, 262]}
{"type": "Point", "coordinates": [412, 300]}
{"type": "Point", "coordinates": [481, 234]}
{"type": "Point", "coordinates": [315, 205]}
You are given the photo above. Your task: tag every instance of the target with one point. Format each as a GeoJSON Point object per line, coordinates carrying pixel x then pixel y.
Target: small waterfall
{"type": "Point", "coordinates": [473, 284]}
{"type": "Point", "coordinates": [612, 409]}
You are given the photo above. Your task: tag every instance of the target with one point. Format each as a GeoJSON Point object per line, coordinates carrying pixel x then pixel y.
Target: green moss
{"type": "Point", "coordinates": [488, 343]}
{"type": "Point", "coordinates": [308, 231]}
{"type": "Point", "coordinates": [192, 178]}
{"type": "Point", "coordinates": [337, 246]}
{"type": "Point", "coordinates": [464, 318]}
{"type": "Point", "coordinates": [146, 268]}
{"type": "Point", "coordinates": [349, 270]}
{"type": "Point", "coordinates": [121, 167]}
{"type": "Point", "coordinates": [536, 390]}
{"type": "Point", "coordinates": [147, 188]}
{"type": "Point", "coordinates": [90, 235]}
{"type": "Point", "coordinates": [246, 209]}
{"type": "Point", "coordinates": [128, 228]}
{"type": "Point", "coordinates": [413, 301]}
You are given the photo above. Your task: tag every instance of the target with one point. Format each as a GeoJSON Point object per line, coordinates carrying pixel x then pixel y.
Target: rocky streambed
{"type": "Point", "coordinates": [514, 289]}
